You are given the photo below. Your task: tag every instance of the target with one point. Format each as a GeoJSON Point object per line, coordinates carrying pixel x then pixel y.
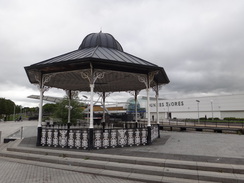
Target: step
{"type": "Point", "coordinates": [134, 169]}
{"type": "Point", "coordinates": [6, 145]}
{"type": "Point", "coordinates": [111, 173]}
{"type": "Point", "coordinates": [190, 165]}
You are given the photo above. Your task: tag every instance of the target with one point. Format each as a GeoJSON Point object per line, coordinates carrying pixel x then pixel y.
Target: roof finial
{"type": "Point", "coordinates": [101, 29]}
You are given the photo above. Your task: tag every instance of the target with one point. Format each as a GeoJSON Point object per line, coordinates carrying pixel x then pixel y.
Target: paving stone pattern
{"type": "Point", "coordinates": [13, 172]}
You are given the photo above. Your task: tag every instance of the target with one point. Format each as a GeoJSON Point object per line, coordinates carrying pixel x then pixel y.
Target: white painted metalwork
{"type": "Point", "coordinates": [122, 138]}
{"type": "Point", "coordinates": [98, 139]}
{"type": "Point", "coordinates": [49, 137]}
{"type": "Point", "coordinates": [137, 137]}
{"type": "Point", "coordinates": [113, 140]}
{"type": "Point", "coordinates": [105, 139]}
{"type": "Point", "coordinates": [63, 138]}
{"type": "Point", "coordinates": [92, 76]}
{"type": "Point", "coordinates": [55, 138]}
{"type": "Point", "coordinates": [144, 136]}
{"type": "Point", "coordinates": [84, 141]}
{"type": "Point", "coordinates": [78, 139]}
{"type": "Point", "coordinates": [42, 80]}
{"type": "Point", "coordinates": [147, 80]}
{"type": "Point", "coordinates": [71, 139]}
{"type": "Point", "coordinates": [156, 88]}
{"type": "Point", "coordinates": [130, 137]}
{"type": "Point", "coordinates": [43, 138]}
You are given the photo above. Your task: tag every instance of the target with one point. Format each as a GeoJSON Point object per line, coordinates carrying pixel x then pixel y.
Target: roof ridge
{"type": "Point", "coordinates": [94, 51]}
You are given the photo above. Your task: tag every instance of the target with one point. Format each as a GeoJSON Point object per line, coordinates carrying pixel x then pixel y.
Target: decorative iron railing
{"type": "Point", "coordinates": [102, 138]}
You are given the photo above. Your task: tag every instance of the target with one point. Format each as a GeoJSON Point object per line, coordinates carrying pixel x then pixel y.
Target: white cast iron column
{"type": "Point", "coordinates": [91, 105]}
{"type": "Point", "coordinates": [42, 79]}
{"type": "Point", "coordinates": [148, 108]}
{"type": "Point", "coordinates": [92, 76]}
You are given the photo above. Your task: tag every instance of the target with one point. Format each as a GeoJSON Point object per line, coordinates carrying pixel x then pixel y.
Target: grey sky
{"type": "Point", "coordinates": [198, 42]}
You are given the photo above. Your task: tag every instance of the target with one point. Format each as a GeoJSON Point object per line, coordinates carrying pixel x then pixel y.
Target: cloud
{"type": "Point", "coordinates": [199, 43]}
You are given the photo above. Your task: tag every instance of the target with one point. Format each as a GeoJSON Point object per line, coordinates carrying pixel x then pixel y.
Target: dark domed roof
{"type": "Point", "coordinates": [100, 39]}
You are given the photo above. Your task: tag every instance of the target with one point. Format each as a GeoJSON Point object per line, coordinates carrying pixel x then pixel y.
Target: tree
{"type": "Point", "coordinates": [49, 109]}
{"type": "Point", "coordinates": [62, 111]}
{"type": "Point", "coordinates": [6, 107]}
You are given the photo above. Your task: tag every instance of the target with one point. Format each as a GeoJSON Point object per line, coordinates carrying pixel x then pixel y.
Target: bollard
{"type": "Point", "coordinates": [21, 132]}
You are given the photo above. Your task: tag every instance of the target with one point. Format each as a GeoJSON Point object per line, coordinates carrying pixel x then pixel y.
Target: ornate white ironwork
{"type": "Point", "coordinates": [130, 137]}
{"type": "Point", "coordinates": [55, 138]}
{"type": "Point", "coordinates": [49, 137]}
{"type": "Point", "coordinates": [109, 138]}
{"type": "Point", "coordinates": [98, 140]}
{"type": "Point", "coordinates": [105, 139]}
{"type": "Point", "coordinates": [42, 80]}
{"type": "Point", "coordinates": [84, 142]}
{"type": "Point", "coordinates": [78, 139]}
{"type": "Point", "coordinates": [147, 79]}
{"type": "Point", "coordinates": [98, 75]}
{"type": "Point", "coordinates": [71, 139]}
{"type": "Point", "coordinates": [43, 137]}
{"type": "Point", "coordinates": [144, 136]}
{"type": "Point", "coordinates": [63, 138]}
{"type": "Point", "coordinates": [143, 79]}
{"type": "Point", "coordinates": [113, 138]}
{"type": "Point", "coordinates": [92, 76]}
{"type": "Point", "coordinates": [122, 138]}
{"type": "Point", "coordinates": [137, 137]}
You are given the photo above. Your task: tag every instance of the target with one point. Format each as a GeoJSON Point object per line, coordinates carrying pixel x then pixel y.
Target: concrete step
{"type": "Point", "coordinates": [190, 165]}
{"type": "Point", "coordinates": [5, 145]}
{"type": "Point", "coordinates": [134, 168]}
{"type": "Point", "coordinates": [111, 173]}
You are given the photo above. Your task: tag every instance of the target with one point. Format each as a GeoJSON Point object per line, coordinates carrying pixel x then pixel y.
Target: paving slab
{"type": "Point", "coordinates": [20, 171]}
{"type": "Point", "coordinates": [194, 148]}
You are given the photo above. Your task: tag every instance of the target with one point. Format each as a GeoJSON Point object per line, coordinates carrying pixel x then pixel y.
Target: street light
{"type": "Point", "coordinates": [198, 101]}
{"type": "Point", "coordinates": [212, 108]}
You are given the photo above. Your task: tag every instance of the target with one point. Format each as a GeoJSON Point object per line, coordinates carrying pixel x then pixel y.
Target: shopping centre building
{"type": "Point", "coordinates": [221, 106]}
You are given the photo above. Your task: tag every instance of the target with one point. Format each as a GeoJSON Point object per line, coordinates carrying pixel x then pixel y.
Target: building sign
{"type": "Point", "coordinates": [168, 104]}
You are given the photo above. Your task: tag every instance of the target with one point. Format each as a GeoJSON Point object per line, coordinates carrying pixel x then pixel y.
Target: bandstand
{"type": "Point", "coordinates": [99, 65]}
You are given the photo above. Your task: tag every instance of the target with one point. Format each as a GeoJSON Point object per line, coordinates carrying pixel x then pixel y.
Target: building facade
{"type": "Point", "coordinates": [221, 106]}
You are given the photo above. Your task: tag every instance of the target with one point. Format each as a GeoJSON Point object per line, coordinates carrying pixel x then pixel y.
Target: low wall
{"type": "Point", "coordinates": [97, 138]}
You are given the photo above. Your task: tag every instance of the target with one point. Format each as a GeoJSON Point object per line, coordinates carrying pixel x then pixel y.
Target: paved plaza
{"type": "Point", "coordinates": [14, 172]}
{"type": "Point", "coordinates": [10, 127]}
{"type": "Point", "coordinates": [191, 146]}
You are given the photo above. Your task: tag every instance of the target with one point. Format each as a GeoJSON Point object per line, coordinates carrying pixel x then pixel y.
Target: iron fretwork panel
{"type": "Point", "coordinates": [44, 137]}
{"type": "Point", "coordinates": [122, 138]}
{"type": "Point", "coordinates": [107, 138]}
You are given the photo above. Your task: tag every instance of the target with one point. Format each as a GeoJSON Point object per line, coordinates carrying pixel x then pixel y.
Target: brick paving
{"type": "Point", "coordinates": [14, 172]}
{"type": "Point", "coordinates": [210, 147]}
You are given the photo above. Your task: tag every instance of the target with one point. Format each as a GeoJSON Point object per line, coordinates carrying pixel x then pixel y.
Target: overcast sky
{"type": "Point", "coordinates": [200, 43]}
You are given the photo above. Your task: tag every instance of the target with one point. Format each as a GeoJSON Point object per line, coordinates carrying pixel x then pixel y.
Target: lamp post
{"type": "Point", "coordinates": [198, 101]}
{"type": "Point", "coordinates": [212, 108]}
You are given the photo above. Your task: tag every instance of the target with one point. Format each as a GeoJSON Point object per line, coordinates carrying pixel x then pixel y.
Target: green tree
{"type": "Point", "coordinates": [6, 108]}
{"type": "Point", "coordinates": [49, 109]}
{"type": "Point", "coordinates": [76, 112]}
